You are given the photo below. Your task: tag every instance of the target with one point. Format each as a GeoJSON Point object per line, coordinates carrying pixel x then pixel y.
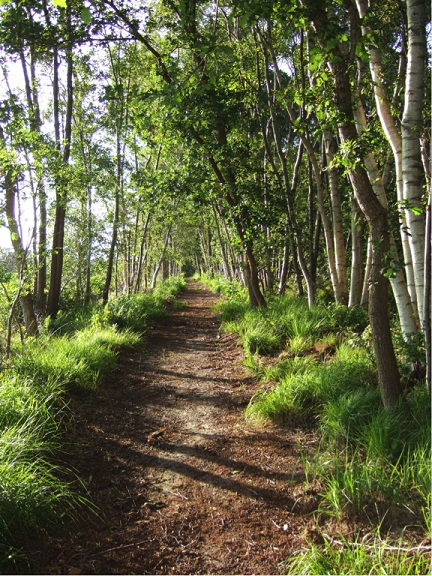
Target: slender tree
{"type": "Point", "coordinates": [63, 146]}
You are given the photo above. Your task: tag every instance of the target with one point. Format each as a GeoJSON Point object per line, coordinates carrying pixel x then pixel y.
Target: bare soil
{"type": "Point", "coordinates": [212, 494]}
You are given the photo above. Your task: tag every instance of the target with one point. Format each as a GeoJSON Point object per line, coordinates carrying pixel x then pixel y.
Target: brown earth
{"type": "Point", "coordinates": [212, 494]}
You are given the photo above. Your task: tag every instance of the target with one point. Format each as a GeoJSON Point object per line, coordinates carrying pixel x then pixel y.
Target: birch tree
{"type": "Point", "coordinates": [9, 182]}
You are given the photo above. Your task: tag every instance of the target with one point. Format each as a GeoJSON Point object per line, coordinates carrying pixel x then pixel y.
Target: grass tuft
{"type": "Point", "coordinates": [339, 556]}
{"type": "Point", "coordinates": [304, 395]}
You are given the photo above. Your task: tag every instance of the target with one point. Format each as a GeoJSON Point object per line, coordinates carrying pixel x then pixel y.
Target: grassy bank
{"type": "Point", "coordinates": [371, 467]}
{"type": "Point", "coordinates": [74, 352]}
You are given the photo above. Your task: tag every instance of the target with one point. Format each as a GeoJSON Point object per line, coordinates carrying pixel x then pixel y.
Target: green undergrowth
{"type": "Point", "coordinates": [287, 323]}
{"type": "Point", "coordinates": [306, 388]}
{"type": "Point", "coordinates": [130, 311]}
{"type": "Point", "coordinates": [73, 354]}
{"type": "Point", "coordinates": [80, 360]}
{"type": "Point", "coordinates": [372, 465]}
{"type": "Point", "coordinates": [375, 555]}
{"type": "Point", "coordinates": [233, 290]}
{"type": "Point", "coordinates": [136, 312]}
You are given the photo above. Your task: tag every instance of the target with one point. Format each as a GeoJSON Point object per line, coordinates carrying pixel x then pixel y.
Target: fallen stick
{"type": "Point", "coordinates": [156, 434]}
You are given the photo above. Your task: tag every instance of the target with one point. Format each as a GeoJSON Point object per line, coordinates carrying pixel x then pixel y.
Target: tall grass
{"type": "Point", "coordinates": [136, 311]}
{"type": "Point", "coordinates": [304, 393]}
{"type": "Point", "coordinates": [170, 287]}
{"type": "Point", "coordinates": [232, 289]}
{"type": "Point", "coordinates": [81, 360]}
{"type": "Point", "coordinates": [340, 556]}
{"type": "Point", "coordinates": [31, 491]}
{"type": "Point", "coordinates": [287, 323]}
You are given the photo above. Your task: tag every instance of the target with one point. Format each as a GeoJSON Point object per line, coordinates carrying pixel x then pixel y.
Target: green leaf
{"type": "Point", "coordinates": [416, 210]}
{"type": "Point", "coordinates": [60, 3]}
{"type": "Point", "coordinates": [4, 2]}
{"type": "Point", "coordinates": [86, 15]}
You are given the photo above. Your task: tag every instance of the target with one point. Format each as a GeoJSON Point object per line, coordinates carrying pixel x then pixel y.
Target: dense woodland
{"type": "Point", "coordinates": [285, 144]}
{"type": "Point", "coordinates": [281, 144]}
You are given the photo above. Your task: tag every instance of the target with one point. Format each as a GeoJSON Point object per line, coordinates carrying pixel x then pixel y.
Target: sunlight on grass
{"type": "Point", "coordinates": [299, 344]}
{"type": "Point", "coordinates": [291, 365]}
{"type": "Point", "coordinates": [339, 556]}
{"type": "Point", "coordinates": [300, 395]}
{"type": "Point", "coordinates": [232, 289]}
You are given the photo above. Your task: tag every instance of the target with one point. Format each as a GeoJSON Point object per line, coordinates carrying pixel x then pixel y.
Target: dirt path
{"type": "Point", "coordinates": [211, 495]}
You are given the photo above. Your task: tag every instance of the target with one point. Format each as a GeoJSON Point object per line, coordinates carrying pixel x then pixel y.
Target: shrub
{"type": "Point", "coordinates": [353, 317]}
{"type": "Point", "coordinates": [170, 287]}
{"type": "Point", "coordinates": [134, 312]}
{"type": "Point", "coordinates": [232, 289]}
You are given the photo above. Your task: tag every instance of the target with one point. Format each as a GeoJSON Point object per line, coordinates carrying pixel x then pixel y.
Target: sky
{"type": "Point", "coordinates": [5, 238]}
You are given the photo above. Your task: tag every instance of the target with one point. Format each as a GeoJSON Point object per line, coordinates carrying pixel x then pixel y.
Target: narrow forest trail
{"type": "Point", "coordinates": [212, 495]}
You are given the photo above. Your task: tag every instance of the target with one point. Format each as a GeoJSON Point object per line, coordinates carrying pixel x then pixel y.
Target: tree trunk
{"type": "Point", "coordinates": [357, 226]}
{"type": "Point", "coordinates": [369, 255]}
{"type": "Point", "coordinates": [428, 292]}
{"type": "Point", "coordinates": [161, 259]}
{"type": "Point", "coordinates": [116, 218]}
{"type": "Point", "coordinates": [232, 256]}
{"type": "Point", "coordinates": [400, 151]}
{"type": "Point", "coordinates": [285, 261]}
{"type": "Point", "coordinates": [112, 250]}
{"type": "Point", "coordinates": [341, 291]}
{"type": "Point", "coordinates": [388, 373]}
{"type": "Point", "coordinates": [26, 298]}
{"type": "Point", "coordinates": [412, 171]}
{"type": "Point", "coordinates": [225, 263]}
{"type": "Point", "coordinates": [89, 216]}
{"type": "Point", "coordinates": [256, 298]}
{"type": "Point", "coordinates": [378, 285]}
{"type": "Point", "coordinates": [31, 87]}
{"type": "Point", "coordinates": [57, 255]}
{"type": "Point", "coordinates": [406, 310]}
{"type": "Point", "coordinates": [141, 254]}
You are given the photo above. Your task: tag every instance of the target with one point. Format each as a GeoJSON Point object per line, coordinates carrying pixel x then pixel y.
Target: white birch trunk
{"type": "Point", "coordinates": [338, 236]}
{"type": "Point", "coordinates": [356, 284]}
{"type": "Point", "coordinates": [412, 170]}
{"type": "Point", "coordinates": [407, 312]}
{"type": "Point", "coordinates": [365, 292]}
